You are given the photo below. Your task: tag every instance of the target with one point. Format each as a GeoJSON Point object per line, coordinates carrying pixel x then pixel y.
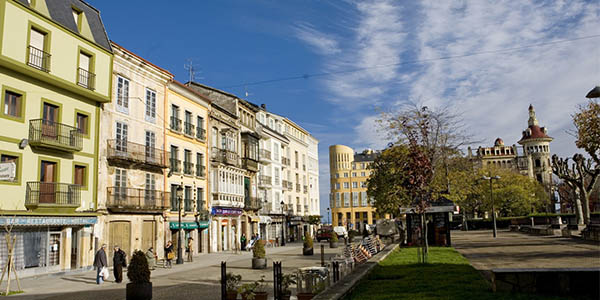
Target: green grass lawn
{"type": "Point", "coordinates": [448, 275]}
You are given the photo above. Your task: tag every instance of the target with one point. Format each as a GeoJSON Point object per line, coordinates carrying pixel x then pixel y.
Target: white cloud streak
{"type": "Point", "coordinates": [318, 41]}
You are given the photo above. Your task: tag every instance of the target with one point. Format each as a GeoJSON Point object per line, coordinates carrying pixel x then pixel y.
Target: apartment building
{"type": "Point", "coordinates": [55, 73]}
{"type": "Point", "coordinates": [132, 164]}
{"type": "Point", "coordinates": [250, 153]}
{"type": "Point", "coordinates": [313, 176]}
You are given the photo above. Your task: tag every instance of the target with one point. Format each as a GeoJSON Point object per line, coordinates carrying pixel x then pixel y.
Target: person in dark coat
{"type": "Point", "coordinates": [243, 241]}
{"type": "Point", "coordinates": [119, 262]}
{"type": "Point", "coordinates": [100, 262]}
{"type": "Point", "coordinates": [169, 255]}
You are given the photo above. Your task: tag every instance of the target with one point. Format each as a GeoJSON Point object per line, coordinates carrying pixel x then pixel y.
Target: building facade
{"type": "Point", "coordinates": [250, 157]}
{"type": "Point", "coordinates": [55, 66]}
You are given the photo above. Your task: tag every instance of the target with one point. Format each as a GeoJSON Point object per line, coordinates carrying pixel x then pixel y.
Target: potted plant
{"type": "Point", "coordinates": [259, 261]}
{"type": "Point", "coordinates": [286, 281]}
{"type": "Point", "coordinates": [254, 291]}
{"type": "Point", "coordinates": [231, 285]}
{"type": "Point", "coordinates": [308, 245]}
{"type": "Point", "coordinates": [333, 241]}
{"type": "Point", "coordinates": [139, 287]}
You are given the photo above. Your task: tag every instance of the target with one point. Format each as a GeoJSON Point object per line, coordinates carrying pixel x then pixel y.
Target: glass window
{"type": "Point", "coordinates": [355, 184]}
{"type": "Point", "coordinates": [82, 123]}
{"type": "Point", "coordinates": [12, 104]}
{"type": "Point", "coordinates": [188, 198]}
{"type": "Point", "coordinates": [346, 185]}
{"type": "Point", "coordinates": [122, 94]}
{"type": "Point", "coordinates": [150, 105]}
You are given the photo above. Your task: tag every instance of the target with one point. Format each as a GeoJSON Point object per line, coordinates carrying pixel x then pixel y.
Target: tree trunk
{"type": "Point", "coordinates": [578, 209]}
{"type": "Point", "coordinates": [425, 245]}
{"type": "Point", "coordinates": [465, 225]}
{"type": "Point", "coordinates": [585, 202]}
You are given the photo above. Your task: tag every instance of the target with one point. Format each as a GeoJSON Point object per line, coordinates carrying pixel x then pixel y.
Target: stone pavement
{"type": "Point", "coordinates": [197, 280]}
{"type": "Point", "coordinates": [518, 250]}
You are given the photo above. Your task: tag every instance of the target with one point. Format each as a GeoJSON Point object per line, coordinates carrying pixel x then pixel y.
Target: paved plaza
{"type": "Point", "coordinates": [197, 280]}
{"type": "Point", "coordinates": [518, 250]}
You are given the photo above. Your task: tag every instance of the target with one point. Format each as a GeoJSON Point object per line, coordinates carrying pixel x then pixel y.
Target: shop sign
{"type": "Point", "coordinates": [224, 211]}
{"type": "Point", "coordinates": [203, 224]}
{"type": "Point", "coordinates": [184, 225]}
{"type": "Point", "coordinates": [47, 221]}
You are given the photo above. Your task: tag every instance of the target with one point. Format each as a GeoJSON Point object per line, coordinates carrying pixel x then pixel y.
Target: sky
{"type": "Point", "coordinates": [334, 66]}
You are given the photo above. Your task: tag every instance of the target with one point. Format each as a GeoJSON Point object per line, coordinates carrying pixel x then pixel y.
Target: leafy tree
{"type": "Point", "coordinates": [384, 184]}
{"type": "Point", "coordinates": [587, 124]}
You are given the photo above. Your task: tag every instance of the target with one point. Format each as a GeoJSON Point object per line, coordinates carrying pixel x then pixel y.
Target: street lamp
{"type": "Point", "coordinates": [594, 93]}
{"type": "Point", "coordinates": [180, 199]}
{"type": "Point", "coordinates": [282, 225]}
{"type": "Point", "coordinates": [491, 179]}
{"type": "Point", "coordinates": [328, 216]}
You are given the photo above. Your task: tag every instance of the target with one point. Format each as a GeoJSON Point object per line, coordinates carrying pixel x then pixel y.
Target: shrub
{"type": "Point", "coordinates": [258, 251]}
{"type": "Point", "coordinates": [286, 281]}
{"type": "Point", "coordinates": [308, 241]}
{"type": "Point", "coordinates": [232, 281]}
{"type": "Point", "coordinates": [138, 271]}
{"type": "Point", "coordinates": [334, 237]}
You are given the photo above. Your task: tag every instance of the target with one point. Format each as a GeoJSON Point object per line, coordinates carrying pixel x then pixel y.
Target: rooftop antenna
{"type": "Point", "coordinates": [191, 70]}
{"type": "Point", "coordinates": [246, 91]}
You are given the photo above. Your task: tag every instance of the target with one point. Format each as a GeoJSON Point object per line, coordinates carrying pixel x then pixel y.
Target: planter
{"type": "Point", "coordinates": [261, 296]}
{"type": "Point", "coordinates": [305, 296]}
{"type": "Point", "coordinates": [307, 251]}
{"type": "Point", "coordinates": [286, 295]}
{"type": "Point", "coordinates": [333, 244]}
{"type": "Point", "coordinates": [139, 291]}
{"type": "Point", "coordinates": [232, 295]}
{"type": "Point", "coordinates": [259, 263]}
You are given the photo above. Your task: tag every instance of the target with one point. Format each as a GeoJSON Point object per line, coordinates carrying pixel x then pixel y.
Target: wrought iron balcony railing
{"type": "Point", "coordinates": [86, 79]}
{"type": "Point", "coordinates": [298, 188]}
{"type": "Point", "coordinates": [250, 164]}
{"type": "Point", "coordinates": [285, 161]}
{"type": "Point", "coordinates": [264, 154]}
{"type": "Point", "coordinates": [175, 124]}
{"type": "Point", "coordinates": [225, 156]}
{"type": "Point", "coordinates": [123, 198]}
{"type": "Point", "coordinates": [252, 203]}
{"type": "Point", "coordinates": [38, 59]}
{"type": "Point", "coordinates": [188, 168]}
{"type": "Point", "coordinates": [200, 171]}
{"type": "Point", "coordinates": [188, 129]}
{"type": "Point", "coordinates": [306, 189]}
{"type": "Point", "coordinates": [175, 165]}
{"type": "Point", "coordinates": [52, 194]}
{"type": "Point", "coordinates": [136, 153]}
{"type": "Point", "coordinates": [265, 180]}
{"type": "Point", "coordinates": [303, 167]}
{"type": "Point", "coordinates": [200, 134]}
{"type": "Point", "coordinates": [44, 133]}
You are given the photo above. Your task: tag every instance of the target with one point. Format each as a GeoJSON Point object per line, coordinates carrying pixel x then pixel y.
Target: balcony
{"type": "Point", "coordinates": [250, 164]}
{"type": "Point", "coordinates": [48, 134]}
{"type": "Point", "coordinates": [175, 165]}
{"type": "Point", "coordinates": [122, 199]}
{"type": "Point", "coordinates": [264, 180]}
{"type": "Point", "coordinates": [38, 59]}
{"type": "Point", "coordinates": [200, 134]}
{"type": "Point", "coordinates": [285, 184]}
{"type": "Point", "coordinates": [224, 156]}
{"type": "Point", "coordinates": [200, 171]}
{"type": "Point", "coordinates": [86, 79]}
{"type": "Point", "coordinates": [306, 189]}
{"type": "Point", "coordinates": [52, 195]}
{"type": "Point", "coordinates": [188, 168]}
{"type": "Point", "coordinates": [175, 124]}
{"type": "Point", "coordinates": [252, 203]}
{"type": "Point", "coordinates": [298, 188]}
{"type": "Point", "coordinates": [303, 167]}
{"type": "Point", "coordinates": [285, 161]}
{"type": "Point", "coordinates": [264, 155]}
{"type": "Point", "coordinates": [189, 129]}
{"type": "Point", "coordinates": [126, 152]}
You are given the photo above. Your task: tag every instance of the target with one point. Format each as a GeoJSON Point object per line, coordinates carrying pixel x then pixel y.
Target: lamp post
{"type": "Point", "coordinates": [594, 93]}
{"type": "Point", "coordinates": [180, 199]}
{"type": "Point", "coordinates": [328, 222]}
{"type": "Point", "coordinates": [282, 225]}
{"type": "Point", "coordinates": [491, 179]}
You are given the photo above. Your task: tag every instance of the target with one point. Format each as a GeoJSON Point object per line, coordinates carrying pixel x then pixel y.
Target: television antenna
{"type": "Point", "coordinates": [191, 70]}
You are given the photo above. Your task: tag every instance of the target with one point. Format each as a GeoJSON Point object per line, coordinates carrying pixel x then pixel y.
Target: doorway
{"type": "Point", "coordinates": [119, 235]}
{"type": "Point", "coordinates": [148, 235]}
{"type": "Point", "coordinates": [74, 248]}
{"type": "Point", "coordinates": [47, 182]}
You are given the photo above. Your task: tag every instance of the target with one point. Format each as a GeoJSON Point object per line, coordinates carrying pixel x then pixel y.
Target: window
{"type": "Point", "coordinates": [200, 199]}
{"type": "Point", "coordinates": [337, 175]}
{"type": "Point", "coordinates": [214, 136]}
{"type": "Point", "coordinates": [150, 189]}
{"type": "Point", "coordinates": [362, 174]}
{"type": "Point", "coordinates": [150, 146]}
{"type": "Point", "coordinates": [538, 163]}
{"type": "Point", "coordinates": [85, 77]}
{"type": "Point", "coordinates": [363, 198]}
{"type": "Point", "coordinates": [346, 185]}
{"type": "Point", "coordinates": [122, 95]}
{"type": "Point", "coordinates": [347, 199]}
{"type": "Point", "coordinates": [121, 136]}
{"type": "Point", "coordinates": [276, 171]}
{"type": "Point", "coordinates": [174, 200]}
{"type": "Point", "coordinates": [80, 175]}
{"type": "Point", "coordinates": [337, 186]}
{"type": "Point", "coordinates": [77, 17]}
{"type": "Point", "coordinates": [120, 183]}
{"type": "Point", "coordinates": [82, 123]}
{"type": "Point", "coordinates": [5, 158]}
{"type": "Point", "coordinates": [355, 184]}
{"type": "Point", "coordinates": [353, 174]}
{"type": "Point", "coordinates": [188, 198]}
{"type": "Point", "coordinates": [355, 199]}
{"type": "Point", "coordinates": [13, 104]}
{"type": "Point", "coordinates": [345, 174]}
{"type": "Point", "coordinates": [38, 58]}
{"type": "Point", "coordinates": [175, 122]}
{"type": "Point", "coordinates": [150, 105]}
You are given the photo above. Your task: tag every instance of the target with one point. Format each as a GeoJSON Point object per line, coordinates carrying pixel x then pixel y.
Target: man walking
{"type": "Point", "coordinates": [119, 261]}
{"type": "Point", "coordinates": [100, 263]}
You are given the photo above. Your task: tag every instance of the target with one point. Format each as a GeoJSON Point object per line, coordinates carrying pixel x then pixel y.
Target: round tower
{"type": "Point", "coordinates": [536, 147]}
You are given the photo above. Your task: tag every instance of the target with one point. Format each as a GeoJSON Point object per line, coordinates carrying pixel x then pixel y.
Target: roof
{"type": "Point", "coordinates": [61, 12]}
{"type": "Point", "coordinates": [142, 59]}
{"type": "Point", "coordinates": [187, 88]}
{"type": "Point", "coordinates": [534, 132]}
{"type": "Point", "coordinates": [365, 156]}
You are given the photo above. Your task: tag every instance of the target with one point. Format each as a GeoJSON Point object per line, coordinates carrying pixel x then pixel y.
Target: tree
{"type": "Point", "coordinates": [587, 124]}
{"type": "Point", "coordinates": [385, 183]}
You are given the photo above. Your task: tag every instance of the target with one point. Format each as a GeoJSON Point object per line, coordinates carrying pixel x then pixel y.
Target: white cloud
{"type": "Point", "coordinates": [320, 42]}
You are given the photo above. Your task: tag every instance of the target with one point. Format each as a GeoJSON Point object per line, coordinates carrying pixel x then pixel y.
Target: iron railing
{"type": "Point", "coordinates": [86, 79]}
{"type": "Point", "coordinates": [175, 165]}
{"type": "Point", "coordinates": [188, 129]}
{"type": "Point", "coordinates": [298, 188]}
{"type": "Point", "coordinates": [264, 154]}
{"type": "Point", "coordinates": [252, 203]}
{"type": "Point", "coordinates": [285, 161]}
{"type": "Point", "coordinates": [38, 59]}
{"type": "Point", "coordinates": [138, 199]}
{"type": "Point", "coordinates": [188, 168]}
{"type": "Point", "coordinates": [264, 180]}
{"type": "Point", "coordinates": [54, 135]}
{"type": "Point", "coordinates": [200, 133]}
{"type": "Point", "coordinates": [298, 208]}
{"type": "Point", "coordinates": [306, 189]}
{"type": "Point", "coordinates": [305, 208]}
{"type": "Point", "coordinates": [224, 156]}
{"type": "Point", "coordinates": [137, 153]}
{"type": "Point", "coordinates": [200, 171]}
{"type": "Point", "coordinates": [52, 193]}
{"type": "Point", "coordinates": [175, 124]}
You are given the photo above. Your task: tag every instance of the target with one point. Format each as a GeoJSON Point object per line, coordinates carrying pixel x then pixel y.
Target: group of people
{"type": "Point", "coordinates": [120, 260]}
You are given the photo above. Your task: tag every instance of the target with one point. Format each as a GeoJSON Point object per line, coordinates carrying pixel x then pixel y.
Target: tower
{"type": "Point", "coordinates": [536, 147]}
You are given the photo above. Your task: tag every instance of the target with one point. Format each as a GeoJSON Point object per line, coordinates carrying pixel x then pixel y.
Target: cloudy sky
{"type": "Point", "coordinates": [332, 66]}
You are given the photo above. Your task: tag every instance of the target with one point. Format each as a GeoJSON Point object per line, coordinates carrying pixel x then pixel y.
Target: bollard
{"type": "Point", "coordinates": [277, 278]}
{"type": "Point", "coordinates": [336, 271]}
{"type": "Point", "coordinates": [223, 280]}
{"type": "Point", "coordinates": [322, 255]}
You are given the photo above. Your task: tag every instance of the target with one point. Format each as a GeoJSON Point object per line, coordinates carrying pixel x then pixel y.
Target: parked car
{"type": "Point", "coordinates": [323, 235]}
{"type": "Point", "coordinates": [341, 231]}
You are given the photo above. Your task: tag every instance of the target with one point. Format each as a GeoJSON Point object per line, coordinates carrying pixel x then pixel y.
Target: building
{"type": "Point", "coordinates": [132, 198]}
{"type": "Point", "coordinates": [186, 140]}
{"type": "Point", "coordinates": [55, 73]}
{"type": "Point", "coordinates": [350, 206]}
{"type": "Point", "coordinates": [313, 177]}
{"type": "Point", "coordinates": [250, 143]}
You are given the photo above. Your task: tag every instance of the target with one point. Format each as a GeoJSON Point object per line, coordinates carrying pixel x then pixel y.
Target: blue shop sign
{"type": "Point", "coordinates": [225, 211]}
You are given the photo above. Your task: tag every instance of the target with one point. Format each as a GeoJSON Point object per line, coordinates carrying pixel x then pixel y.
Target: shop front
{"type": "Point", "coordinates": [226, 231]}
{"type": "Point", "coordinates": [197, 230]}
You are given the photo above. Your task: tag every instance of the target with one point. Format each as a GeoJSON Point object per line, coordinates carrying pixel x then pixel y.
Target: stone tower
{"type": "Point", "coordinates": [536, 147]}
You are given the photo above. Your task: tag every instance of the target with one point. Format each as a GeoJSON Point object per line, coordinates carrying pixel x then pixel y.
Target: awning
{"type": "Point", "coordinates": [184, 225]}
{"type": "Point", "coordinates": [265, 220]}
{"type": "Point", "coordinates": [203, 224]}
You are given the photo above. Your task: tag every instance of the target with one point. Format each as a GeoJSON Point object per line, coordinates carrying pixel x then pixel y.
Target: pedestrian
{"type": "Point", "coordinates": [119, 262]}
{"type": "Point", "coordinates": [190, 249]}
{"type": "Point", "coordinates": [151, 258]}
{"type": "Point", "coordinates": [243, 241]}
{"type": "Point", "coordinates": [169, 254]}
{"type": "Point", "coordinates": [100, 263]}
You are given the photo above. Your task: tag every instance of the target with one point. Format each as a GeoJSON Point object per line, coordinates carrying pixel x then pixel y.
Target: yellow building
{"type": "Point", "coordinates": [55, 66]}
{"type": "Point", "coordinates": [350, 206]}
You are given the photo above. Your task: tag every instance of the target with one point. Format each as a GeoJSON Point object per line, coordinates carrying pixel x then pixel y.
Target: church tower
{"type": "Point", "coordinates": [536, 147]}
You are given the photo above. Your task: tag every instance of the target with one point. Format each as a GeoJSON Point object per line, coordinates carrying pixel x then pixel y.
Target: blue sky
{"type": "Point", "coordinates": [237, 43]}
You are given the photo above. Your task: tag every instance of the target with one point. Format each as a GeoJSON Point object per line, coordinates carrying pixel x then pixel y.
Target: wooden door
{"type": "Point", "coordinates": [47, 180]}
{"type": "Point", "coordinates": [148, 235]}
{"type": "Point", "coordinates": [49, 120]}
{"type": "Point", "coordinates": [120, 235]}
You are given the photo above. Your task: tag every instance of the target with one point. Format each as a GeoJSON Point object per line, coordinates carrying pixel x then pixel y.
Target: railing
{"type": "Point", "coordinates": [137, 199]}
{"type": "Point", "coordinates": [298, 208]}
{"type": "Point", "coordinates": [284, 183]}
{"type": "Point", "coordinates": [305, 208]}
{"type": "Point", "coordinates": [188, 168]}
{"type": "Point", "coordinates": [264, 180]}
{"type": "Point", "coordinates": [306, 189]}
{"type": "Point", "coordinates": [188, 129]}
{"type": "Point", "coordinates": [175, 165]}
{"type": "Point", "coordinates": [249, 164]}
{"type": "Point", "coordinates": [252, 203]}
{"type": "Point", "coordinates": [264, 154]}
{"type": "Point", "coordinates": [38, 59]}
{"type": "Point", "coordinates": [224, 156]}
{"type": "Point", "coordinates": [200, 133]}
{"type": "Point", "coordinates": [86, 79]}
{"type": "Point", "coordinates": [298, 188]}
{"type": "Point", "coordinates": [54, 135]}
{"type": "Point", "coordinates": [285, 161]}
{"type": "Point", "coordinates": [175, 124]}
{"type": "Point", "coordinates": [134, 152]}
{"type": "Point", "coordinates": [200, 171]}
{"type": "Point", "coordinates": [52, 193]}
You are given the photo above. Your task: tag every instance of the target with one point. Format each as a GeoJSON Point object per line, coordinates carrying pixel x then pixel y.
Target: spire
{"type": "Point", "coordinates": [532, 119]}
